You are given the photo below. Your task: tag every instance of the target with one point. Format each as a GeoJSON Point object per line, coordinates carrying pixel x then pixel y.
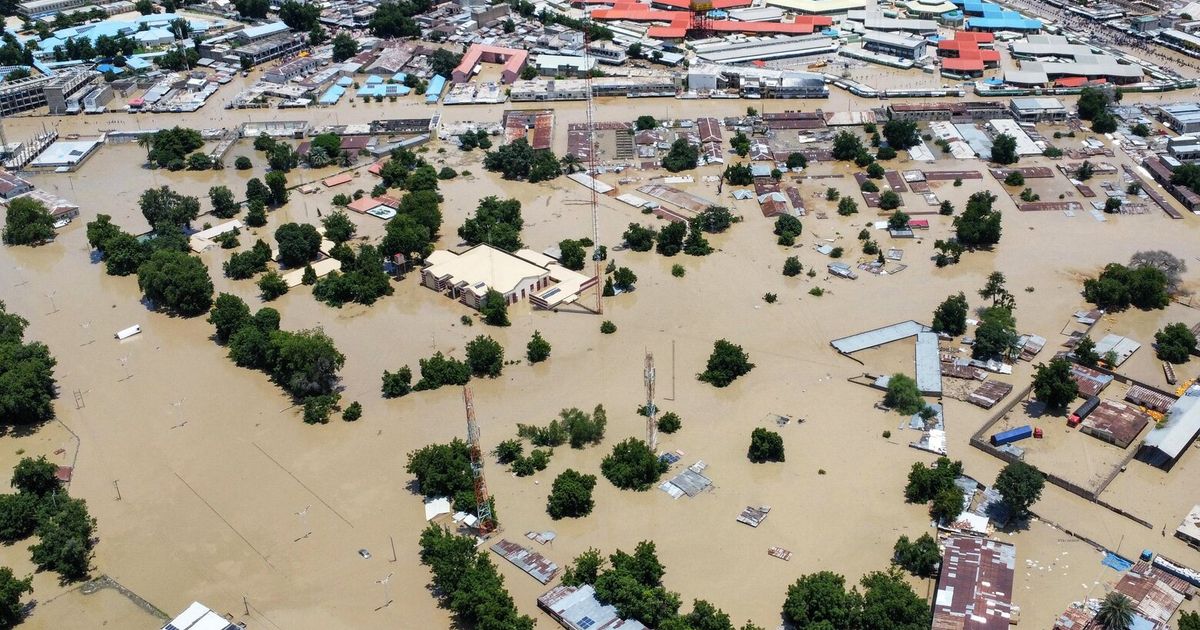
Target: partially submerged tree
{"type": "Point", "coordinates": [903, 395]}
{"type": "Point", "coordinates": [726, 363]}
{"type": "Point", "coordinates": [1175, 343]}
{"type": "Point", "coordinates": [765, 446]}
{"type": "Point", "coordinates": [571, 495]}
{"type": "Point", "coordinates": [1020, 486]}
{"type": "Point", "coordinates": [950, 316]}
{"type": "Point", "coordinates": [1054, 385]}
{"type": "Point", "coordinates": [632, 465]}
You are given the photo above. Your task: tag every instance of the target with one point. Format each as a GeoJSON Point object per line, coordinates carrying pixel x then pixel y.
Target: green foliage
{"type": "Point", "coordinates": [789, 225]}
{"type": "Point", "coordinates": [256, 213]}
{"type": "Point", "coordinates": [571, 495]}
{"type": "Point", "coordinates": [1118, 287]}
{"type": "Point", "coordinates": [608, 327]}
{"type": "Point", "coordinates": [362, 279]}
{"type": "Point", "coordinates": [485, 356]}
{"type": "Point", "coordinates": [1104, 122]}
{"type": "Point", "coordinates": [947, 504]}
{"type": "Point", "coordinates": [696, 244]}
{"type": "Point", "coordinates": [439, 370]}
{"type": "Point", "coordinates": [681, 157]}
{"type": "Point", "coordinates": [901, 134]}
{"type": "Point", "coordinates": [645, 123]}
{"type": "Point", "coordinates": [442, 470]}
{"type": "Point", "coordinates": [948, 252]}
{"type": "Point", "coordinates": [573, 254]}
{"type": "Point", "coordinates": [875, 170]}
{"type": "Point", "coordinates": [167, 145]}
{"type": "Point", "coordinates": [36, 477]}
{"type": "Point", "coordinates": [903, 395]}
{"type": "Point", "coordinates": [633, 584]}
{"type": "Point", "coordinates": [396, 384]}
{"type": "Point", "coordinates": [162, 206]}
{"type": "Point", "coordinates": [176, 282]}
{"type": "Point", "coordinates": [996, 334]}
{"type": "Point", "coordinates": [1085, 171]}
{"type": "Point", "coordinates": [27, 222]}
{"type": "Point", "coordinates": [64, 533]}
{"type": "Point", "coordinates": [920, 557]}
{"type": "Point", "coordinates": [639, 238]}
{"type": "Point", "coordinates": [1116, 609]}
{"type": "Point", "coordinates": [497, 223]}
{"type": "Point", "coordinates": [1053, 384]}
{"type": "Point", "coordinates": [535, 462]}
{"type": "Point", "coordinates": [678, 271]}
{"type": "Point", "coordinates": [726, 363]}
{"type": "Point", "coordinates": [889, 200]}
{"type": "Point", "coordinates": [11, 591]}
{"type": "Point", "coordinates": [792, 266]}
{"type": "Point", "coordinates": [740, 144]}
{"type": "Point", "coordinates": [1004, 149]}
{"type": "Point", "coordinates": [584, 569]}
{"type": "Point", "coordinates": [765, 446]}
{"type": "Point", "coordinates": [518, 160]}
{"type": "Point", "coordinates": [979, 224]}
{"type": "Point", "coordinates": [1189, 621]}
{"type": "Point", "coordinates": [950, 316]}
{"type": "Point", "coordinates": [338, 226]}
{"type": "Point", "coordinates": [494, 308]}
{"type": "Point", "coordinates": [669, 422]}
{"type": "Point", "coordinates": [1020, 486]}
{"type": "Point", "coordinates": [885, 153]}
{"type": "Point", "coordinates": [223, 203]}
{"type": "Point", "coordinates": [632, 465]}
{"type": "Point", "coordinates": [277, 186]}
{"type": "Point", "coordinates": [245, 264]}
{"type": "Point", "coordinates": [1015, 178]}
{"type": "Point", "coordinates": [18, 516]}
{"type": "Point", "coordinates": [847, 207]}
{"type": "Point", "coordinates": [466, 580]}
{"type": "Point", "coordinates": [538, 349]}
{"type": "Point", "coordinates": [272, 285]}
{"type": "Point", "coordinates": [670, 239]}
{"type": "Point", "coordinates": [946, 208]}
{"type": "Point", "coordinates": [1085, 352]}
{"type": "Point", "coordinates": [796, 160]}
{"type": "Point", "coordinates": [831, 194]}
{"type": "Point", "coordinates": [898, 220]}
{"type": "Point", "coordinates": [1092, 101]}
{"type": "Point", "coordinates": [925, 483]}
{"type": "Point", "coordinates": [738, 174]}
{"type": "Point", "coordinates": [869, 186]}
{"type": "Point", "coordinates": [847, 145]}
{"type": "Point", "coordinates": [1175, 343]}
{"type": "Point", "coordinates": [344, 47]}
{"type": "Point", "coordinates": [821, 601]}
{"type": "Point", "coordinates": [318, 408]}
{"type": "Point", "coordinates": [298, 243]}
{"type": "Point", "coordinates": [714, 219]}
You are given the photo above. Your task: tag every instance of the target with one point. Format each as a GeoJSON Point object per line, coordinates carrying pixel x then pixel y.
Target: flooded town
{"type": "Point", "coordinates": [600, 314]}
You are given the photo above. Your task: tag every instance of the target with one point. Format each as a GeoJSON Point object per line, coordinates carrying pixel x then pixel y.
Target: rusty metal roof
{"type": "Point", "coordinates": [975, 585]}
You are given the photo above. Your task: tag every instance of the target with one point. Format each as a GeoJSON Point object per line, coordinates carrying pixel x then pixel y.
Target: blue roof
{"type": "Point", "coordinates": [399, 77]}
{"type": "Point", "coordinates": [1009, 21]}
{"type": "Point", "coordinates": [345, 81]}
{"type": "Point", "coordinates": [434, 91]}
{"type": "Point", "coordinates": [374, 79]}
{"type": "Point", "coordinates": [332, 95]}
{"type": "Point", "coordinates": [137, 63]}
{"type": "Point", "coordinates": [382, 89]}
{"type": "Point", "coordinates": [263, 30]}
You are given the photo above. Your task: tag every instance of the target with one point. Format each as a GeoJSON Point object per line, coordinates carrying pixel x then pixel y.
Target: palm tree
{"type": "Point", "coordinates": [146, 141]}
{"type": "Point", "coordinates": [1116, 612]}
{"type": "Point", "coordinates": [571, 163]}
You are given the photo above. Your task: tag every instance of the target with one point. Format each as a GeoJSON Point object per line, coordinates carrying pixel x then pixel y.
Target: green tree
{"type": "Point", "coordinates": [571, 495]}
{"type": "Point", "coordinates": [947, 504]}
{"type": "Point", "coordinates": [639, 238]}
{"type": "Point", "coordinates": [163, 206]}
{"type": "Point", "coordinates": [467, 581]}
{"type": "Point", "coordinates": [11, 591]}
{"type": "Point", "coordinates": [1014, 178]}
{"type": "Point", "coordinates": [176, 282]}
{"type": "Point", "coordinates": [788, 227]}
{"type": "Point", "coordinates": [669, 422]}
{"type": "Point", "coordinates": [796, 160]}
{"type": "Point", "coordinates": [443, 62]}
{"type": "Point", "coordinates": [441, 469]}
{"type": "Point", "coordinates": [903, 395]}
{"type": "Point", "coordinates": [847, 207]}
{"type": "Point", "coordinates": [1116, 612]}
{"type": "Point", "coordinates": [624, 278]}
{"type": "Point", "coordinates": [223, 204]}
{"type": "Point", "coordinates": [898, 220]}
{"type": "Point", "coordinates": [277, 185]}
{"type": "Point", "coordinates": [584, 569]}
{"type": "Point", "coordinates": [1085, 352]}
{"type": "Point", "coordinates": [1119, 287]}
{"type": "Point", "coordinates": [889, 200]}
{"type": "Point", "coordinates": [979, 224]}
{"type": "Point", "coordinates": [821, 601]}
{"type": "Point", "coordinates": [927, 483]}
{"type": "Point", "coordinates": [920, 557]}
{"type": "Point", "coordinates": [538, 349]}
{"type": "Point", "coordinates": [632, 465]}
{"type": "Point", "coordinates": [1189, 621]}
{"type": "Point", "coordinates": [847, 145]}
{"type": "Point", "coordinates": [1104, 122]}
{"type": "Point", "coordinates": [695, 244]}
{"type": "Point", "coordinates": [950, 316]}
{"type": "Point", "coordinates": [765, 446]}
{"type": "Point", "coordinates": [508, 451]}
{"type": "Point", "coordinates": [1175, 343]}
{"type": "Point", "coordinates": [889, 603]}
{"type": "Point", "coordinates": [726, 363]}
{"type": "Point", "coordinates": [27, 222]}
{"type": "Point", "coordinates": [439, 370]}
{"type": "Point", "coordinates": [338, 226]}
{"type": "Point", "coordinates": [607, 327]}
{"type": "Point", "coordinates": [344, 47]}
{"type": "Point", "coordinates": [65, 540]}
{"type": "Point", "coordinates": [298, 243]}
{"type": "Point", "coordinates": [1054, 385]}
{"type": "Point", "coordinates": [397, 384]}
{"type": "Point", "coordinates": [1020, 486]}
{"type": "Point", "coordinates": [318, 408]}
{"type": "Point", "coordinates": [715, 219]}
{"type": "Point", "coordinates": [228, 315]}
{"type": "Point", "coordinates": [496, 222]}
{"type": "Point", "coordinates": [670, 239]}
{"type": "Point", "coordinates": [272, 285]}
{"type": "Point", "coordinates": [901, 134]}
{"type": "Point", "coordinates": [645, 123]}
{"type": "Point", "coordinates": [37, 477]}
{"type": "Point", "coordinates": [1092, 101]}
{"type": "Point", "coordinates": [1004, 149]}
{"type": "Point", "coordinates": [792, 266]}
{"type": "Point", "coordinates": [494, 308]}
{"type": "Point", "coordinates": [740, 144]}
{"type": "Point", "coordinates": [572, 254]}
{"type": "Point", "coordinates": [681, 157]}
{"type": "Point", "coordinates": [485, 356]}
{"type": "Point", "coordinates": [996, 334]}
{"type": "Point", "coordinates": [169, 145]}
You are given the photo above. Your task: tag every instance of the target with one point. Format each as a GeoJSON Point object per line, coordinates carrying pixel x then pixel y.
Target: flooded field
{"type": "Point", "coordinates": [214, 467]}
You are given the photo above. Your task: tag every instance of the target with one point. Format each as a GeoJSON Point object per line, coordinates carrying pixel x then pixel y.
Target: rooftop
{"type": "Point", "coordinates": [975, 585]}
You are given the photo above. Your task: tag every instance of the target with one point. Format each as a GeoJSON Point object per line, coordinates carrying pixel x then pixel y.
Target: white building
{"type": "Point", "coordinates": [199, 617]}
{"type": "Point", "coordinates": [469, 276]}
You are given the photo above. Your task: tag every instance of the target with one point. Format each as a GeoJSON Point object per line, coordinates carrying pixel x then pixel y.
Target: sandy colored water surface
{"type": "Point", "coordinates": [213, 464]}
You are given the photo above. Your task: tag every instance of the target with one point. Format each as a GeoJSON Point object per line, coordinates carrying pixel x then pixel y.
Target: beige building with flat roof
{"type": "Point", "coordinates": [468, 276]}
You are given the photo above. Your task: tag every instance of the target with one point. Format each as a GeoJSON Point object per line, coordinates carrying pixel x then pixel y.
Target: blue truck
{"type": "Point", "coordinates": [1012, 435]}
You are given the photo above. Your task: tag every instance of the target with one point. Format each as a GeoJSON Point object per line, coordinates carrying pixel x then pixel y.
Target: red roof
{"type": "Point", "coordinates": [975, 36]}
{"type": "Point", "coordinates": [961, 64]}
{"type": "Point", "coordinates": [639, 15]}
{"type": "Point", "coordinates": [667, 32]}
{"type": "Point", "coordinates": [1071, 82]}
{"type": "Point", "coordinates": [802, 26]}
{"type": "Point", "coordinates": [716, 4]}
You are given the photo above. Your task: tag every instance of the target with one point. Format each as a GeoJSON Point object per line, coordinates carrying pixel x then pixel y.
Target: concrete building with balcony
{"type": "Point", "coordinates": [902, 46]}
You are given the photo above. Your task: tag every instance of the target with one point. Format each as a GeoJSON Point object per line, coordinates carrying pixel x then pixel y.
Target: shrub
{"type": "Point", "coordinates": [398, 383]}
{"type": "Point", "coordinates": [571, 495]}
{"type": "Point", "coordinates": [678, 271]}
{"type": "Point", "coordinates": [485, 356]}
{"type": "Point", "coordinates": [353, 412]}
{"type": "Point", "coordinates": [792, 266]}
{"type": "Point", "coordinates": [669, 422]}
{"type": "Point", "coordinates": [765, 446]}
{"type": "Point", "coordinates": [770, 298]}
{"type": "Point", "coordinates": [632, 465]}
{"type": "Point", "coordinates": [726, 363]}
{"type": "Point", "coordinates": [538, 349]}
{"type": "Point", "coordinates": [608, 327]}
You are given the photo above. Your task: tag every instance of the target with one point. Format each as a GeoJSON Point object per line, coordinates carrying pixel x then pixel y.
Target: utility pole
{"type": "Point", "coordinates": [651, 412]}
{"type": "Point", "coordinates": [117, 488]}
{"type": "Point", "coordinates": [592, 172]}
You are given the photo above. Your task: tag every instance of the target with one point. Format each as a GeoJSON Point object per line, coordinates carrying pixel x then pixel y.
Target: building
{"type": "Point", "coordinates": [974, 590]}
{"type": "Point", "coordinates": [513, 59]}
{"type": "Point", "coordinates": [1115, 422]}
{"type": "Point", "coordinates": [13, 186]}
{"type": "Point", "coordinates": [1167, 441]}
{"type": "Point", "coordinates": [467, 277]}
{"type": "Point", "coordinates": [607, 53]}
{"type": "Point", "coordinates": [45, 7]}
{"type": "Point", "coordinates": [289, 70]}
{"type": "Point", "coordinates": [563, 65]}
{"type": "Point", "coordinates": [199, 617]}
{"type": "Point", "coordinates": [902, 46]}
{"type": "Point", "coordinates": [764, 48]}
{"type": "Point", "coordinates": [960, 111]}
{"type": "Point", "coordinates": [1150, 23]}
{"type": "Point", "coordinates": [61, 87]}
{"type": "Point", "coordinates": [1184, 148]}
{"type": "Point", "coordinates": [1181, 117]}
{"type": "Point", "coordinates": [1025, 144]}
{"type": "Point", "coordinates": [1189, 530]}
{"type": "Point", "coordinates": [1037, 109]}
{"type": "Point", "coordinates": [23, 94]}
{"type": "Point", "coordinates": [576, 608]}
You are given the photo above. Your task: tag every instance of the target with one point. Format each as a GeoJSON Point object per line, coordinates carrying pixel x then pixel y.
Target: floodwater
{"type": "Point", "coordinates": [207, 486]}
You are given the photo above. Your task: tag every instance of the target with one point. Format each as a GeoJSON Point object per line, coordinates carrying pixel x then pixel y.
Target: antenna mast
{"type": "Point", "coordinates": [651, 410]}
{"type": "Point", "coordinates": [592, 172]}
{"type": "Point", "coordinates": [483, 506]}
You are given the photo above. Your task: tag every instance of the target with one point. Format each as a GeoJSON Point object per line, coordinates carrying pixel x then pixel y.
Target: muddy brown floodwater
{"type": "Point", "coordinates": [213, 465]}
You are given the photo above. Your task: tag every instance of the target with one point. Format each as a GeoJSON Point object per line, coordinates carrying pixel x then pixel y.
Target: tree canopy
{"type": "Point", "coordinates": [1020, 486]}
{"type": "Point", "coordinates": [950, 316]}
{"type": "Point", "coordinates": [901, 134]}
{"type": "Point", "coordinates": [682, 156]}
{"type": "Point", "coordinates": [1004, 149]}
{"type": "Point", "coordinates": [765, 446]}
{"type": "Point", "coordinates": [1118, 287]}
{"type": "Point", "coordinates": [632, 465]}
{"type": "Point", "coordinates": [979, 223]}
{"type": "Point", "coordinates": [903, 395]}
{"type": "Point", "coordinates": [169, 145]}
{"type": "Point", "coordinates": [920, 557]}
{"type": "Point", "coordinates": [298, 243]}
{"type": "Point", "coordinates": [176, 282]}
{"type": "Point", "coordinates": [163, 206]}
{"type": "Point", "coordinates": [1053, 384]}
{"type": "Point", "coordinates": [1175, 343]}
{"type": "Point", "coordinates": [496, 222]}
{"type": "Point", "coordinates": [571, 495]}
{"type": "Point", "coordinates": [726, 363]}
{"type": "Point", "coordinates": [27, 222]}
{"type": "Point", "coordinates": [468, 583]}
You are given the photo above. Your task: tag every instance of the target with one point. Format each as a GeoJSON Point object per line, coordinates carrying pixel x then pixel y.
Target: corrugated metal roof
{"type": "Point", "coordinates": [878, 337]}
